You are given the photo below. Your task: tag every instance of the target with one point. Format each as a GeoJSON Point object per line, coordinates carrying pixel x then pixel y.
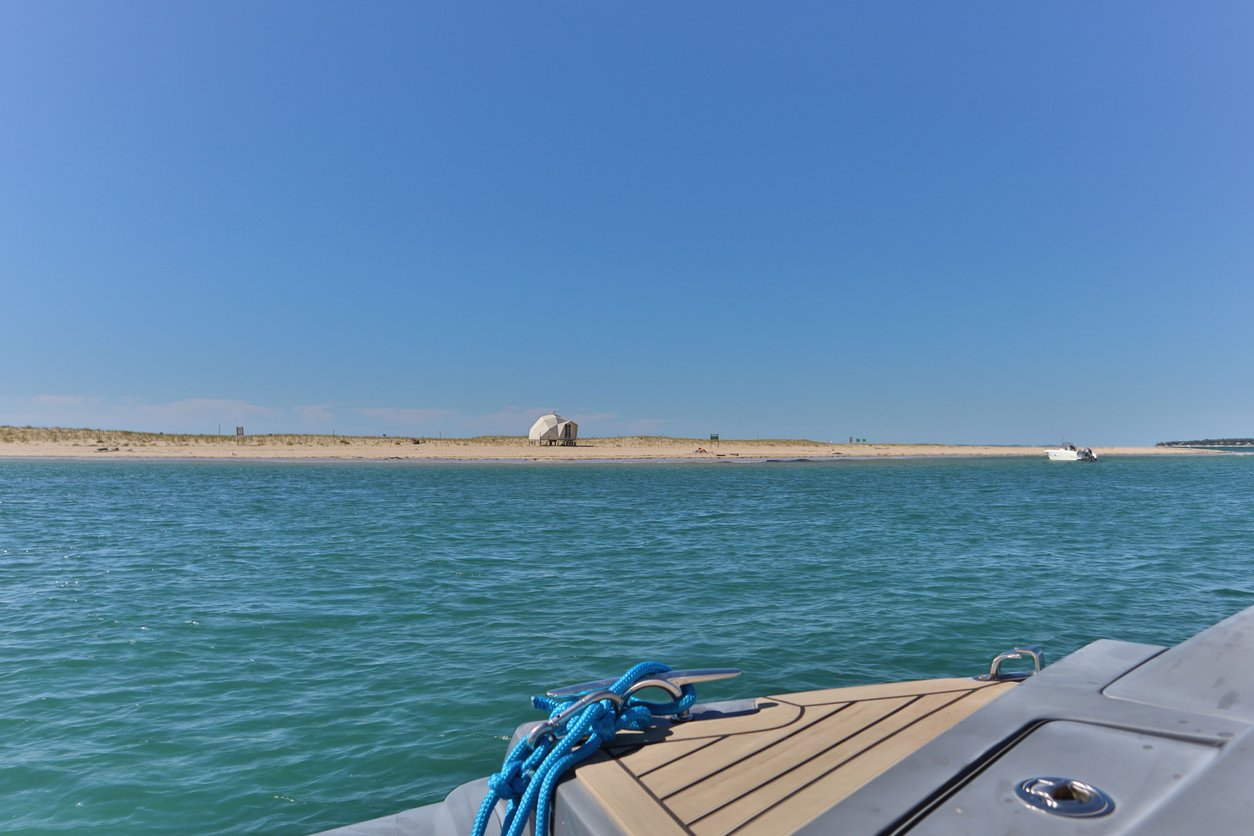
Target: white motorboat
{"type": "Point", "coordinates": [1071, 453]}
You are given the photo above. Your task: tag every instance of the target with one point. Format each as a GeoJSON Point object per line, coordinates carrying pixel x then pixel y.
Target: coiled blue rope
{"type": "Point", "coordinates": [576, 728]}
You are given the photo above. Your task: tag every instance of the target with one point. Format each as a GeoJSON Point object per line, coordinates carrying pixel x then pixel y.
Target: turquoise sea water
{"type": "Point", "coordinates": [283, 648]}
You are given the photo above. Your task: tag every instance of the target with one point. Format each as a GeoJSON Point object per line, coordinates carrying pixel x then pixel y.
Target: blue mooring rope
{"type": "Point", "coordinates": [577, 726]}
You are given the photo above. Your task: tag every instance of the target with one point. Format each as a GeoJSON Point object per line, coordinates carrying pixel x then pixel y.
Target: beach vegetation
{"type": "Point", "coordinates": [134, 438]}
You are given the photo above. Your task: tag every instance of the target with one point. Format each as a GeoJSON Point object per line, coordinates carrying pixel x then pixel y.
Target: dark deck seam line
{"type": "Point", "coordinates": [685, 828]}
{"type": "Point", "coordinates": [818, 754]}
{"type": "Point", "coordinates": [963, 695]}
{"type": "Point", "coordinates": [709, 741]}
{"type": "Point", "coordinates": [756, 752]}
{"type": "Point", "coordinates": [976, 685]}
{"type": "Point", "coordinates": [860, 730]}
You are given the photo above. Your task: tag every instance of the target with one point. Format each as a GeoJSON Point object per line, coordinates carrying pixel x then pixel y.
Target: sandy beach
{"type": "Point", "coordinates": [105, 444]}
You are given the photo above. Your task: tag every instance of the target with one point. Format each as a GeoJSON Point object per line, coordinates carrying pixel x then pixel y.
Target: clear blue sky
{"type": "Point", "coordinates": [949, 222]}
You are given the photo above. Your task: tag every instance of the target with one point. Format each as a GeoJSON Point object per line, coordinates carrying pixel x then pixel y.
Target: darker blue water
{"type": "Point", "coordinates": [282, 648]}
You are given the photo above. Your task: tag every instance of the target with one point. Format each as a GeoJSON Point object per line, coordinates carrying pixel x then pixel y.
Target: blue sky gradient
{"type": "Point", "coordinates": [961, 222]}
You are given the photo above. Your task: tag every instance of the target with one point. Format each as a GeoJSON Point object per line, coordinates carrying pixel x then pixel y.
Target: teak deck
{"type": "Point", "coordinates": [775, 770]}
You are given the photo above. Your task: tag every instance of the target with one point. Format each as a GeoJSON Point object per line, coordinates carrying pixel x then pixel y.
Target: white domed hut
{"type": "Point", "coordinates": [553, 429]}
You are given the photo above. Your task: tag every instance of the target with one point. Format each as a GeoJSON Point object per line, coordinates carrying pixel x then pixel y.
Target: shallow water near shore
{"type": "Point", "coordinates": [210, 647]}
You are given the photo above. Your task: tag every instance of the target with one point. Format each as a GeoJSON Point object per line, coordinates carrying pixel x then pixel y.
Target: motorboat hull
{"type": "Point", "coordinates": [1071, 454]}
{"type": "Point", "coordinates": [1117, 737]}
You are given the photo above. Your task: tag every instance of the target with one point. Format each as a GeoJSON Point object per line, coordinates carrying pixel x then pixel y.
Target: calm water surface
{"type": "Point", "coordinates": [283, 648]}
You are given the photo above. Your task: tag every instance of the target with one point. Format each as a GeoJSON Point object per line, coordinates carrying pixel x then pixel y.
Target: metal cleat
{"type": "Point", "coordinates": [669, 681]}
{"type": "Point", "coordinates": [569, 711]}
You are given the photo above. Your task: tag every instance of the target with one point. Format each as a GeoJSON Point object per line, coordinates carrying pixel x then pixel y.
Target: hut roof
{"type": "Point", "coordinates": [545, 427]}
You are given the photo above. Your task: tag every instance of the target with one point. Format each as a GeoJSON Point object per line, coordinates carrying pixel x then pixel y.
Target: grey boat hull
{"type": "Point", "coordinates": [1166, 736]}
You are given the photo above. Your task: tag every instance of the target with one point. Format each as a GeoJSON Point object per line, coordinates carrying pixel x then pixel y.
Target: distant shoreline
{"type": "Point", "coordinates": [56, 443]}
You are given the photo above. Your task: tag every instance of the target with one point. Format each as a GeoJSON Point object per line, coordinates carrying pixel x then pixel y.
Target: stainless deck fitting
{"type": "Point", "coordinates": [995, 673]}
{"type": "Point", "coordinates": [670, 681]}
{"type": "Point", "coordinates": [1064, 797]}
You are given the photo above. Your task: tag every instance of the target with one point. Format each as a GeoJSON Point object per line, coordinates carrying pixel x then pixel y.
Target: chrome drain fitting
{"type": "Point", "coordinates": [1065, 797]}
